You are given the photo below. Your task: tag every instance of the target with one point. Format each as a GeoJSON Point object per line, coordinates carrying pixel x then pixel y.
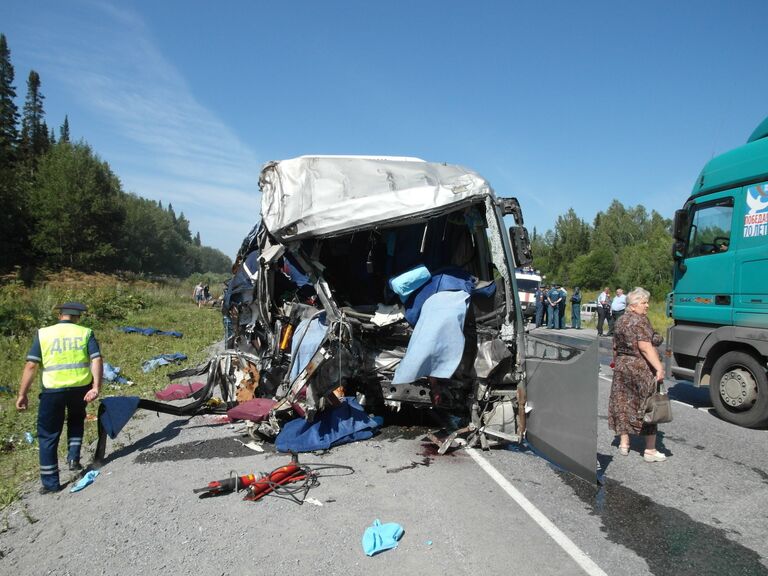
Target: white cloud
{"type": "Point", "coordinates": [177, 150]}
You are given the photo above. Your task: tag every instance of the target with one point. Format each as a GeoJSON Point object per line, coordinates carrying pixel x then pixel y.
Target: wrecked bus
{"type": "Point", "coordinates": [393, 280]}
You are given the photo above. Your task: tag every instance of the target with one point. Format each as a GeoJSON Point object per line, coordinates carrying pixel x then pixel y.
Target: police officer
{"type": "Point", "coordinates": [576, 309]}
{"type": "Point", "coordinates": [538, 296]}
{"type": "Point", "coordinates": [553, 307]}
{"type": "Point", "coordinates": [72, 374]}
{"type": "Point", "coordinates": [561, 306]}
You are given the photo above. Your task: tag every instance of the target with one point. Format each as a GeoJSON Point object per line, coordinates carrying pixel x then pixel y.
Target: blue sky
{"type": "Point", "coordinates": [562, 104]}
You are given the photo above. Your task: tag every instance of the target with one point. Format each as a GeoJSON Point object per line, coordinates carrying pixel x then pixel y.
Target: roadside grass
{"type": "Point", "coordinates": [112, 303]}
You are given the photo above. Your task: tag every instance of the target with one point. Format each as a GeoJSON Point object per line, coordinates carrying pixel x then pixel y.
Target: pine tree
{"type": "Point", "coordinates": [14, 233]}
{"type": "Point", "coordinates": [172, 213]}
{"type": "Point", "coordinates": [198, 242]}
{"type": "Point", "coordinates": [64, 131]}
{"type": "Point", "coordinates": [9, 113]}
{"type": "Point", "coordinates": [34, 132]}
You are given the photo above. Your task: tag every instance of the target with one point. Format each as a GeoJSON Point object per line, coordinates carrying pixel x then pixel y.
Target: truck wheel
{"type": "Point", "coordinates": [738, 388]}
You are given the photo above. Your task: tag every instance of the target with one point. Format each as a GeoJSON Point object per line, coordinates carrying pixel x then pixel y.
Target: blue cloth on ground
{"type": "Point", "coordinates": [117, 410]}
{"type": "Point", "coordinates": [150, 331]}
{"type": "Point", "coordinates": [162, 360]}
{"type": "Point", "coordinates": [112, 374]}
{"type": "Point", "coordinates": [347, 422]}
{"type": "Point", "coordinates": [379, 537]}
{"type": "Point", "coordinates": [86, 480]}
{"type": "Point", "coordinates": [437, 343]}
{"type": "Point", "coordinates": [307, 337]}
{"type": "Point", "coordinates": [409, 281]}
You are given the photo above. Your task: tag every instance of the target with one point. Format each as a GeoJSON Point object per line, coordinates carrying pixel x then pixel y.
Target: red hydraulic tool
{"type": "Point", "coordinates": [256, 487]}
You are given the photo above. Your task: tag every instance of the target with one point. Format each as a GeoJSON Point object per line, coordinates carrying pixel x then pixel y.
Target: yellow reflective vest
{"type": "Point", "coordinates": [66, 363]}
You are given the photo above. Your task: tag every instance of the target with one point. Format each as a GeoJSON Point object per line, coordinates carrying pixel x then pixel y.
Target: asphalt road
{"type": "Point", "coordinates": [506, 511]}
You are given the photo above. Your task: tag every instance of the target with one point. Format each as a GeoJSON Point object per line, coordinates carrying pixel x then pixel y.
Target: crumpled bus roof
{"type": "Point", "coordinates": [329, 195]}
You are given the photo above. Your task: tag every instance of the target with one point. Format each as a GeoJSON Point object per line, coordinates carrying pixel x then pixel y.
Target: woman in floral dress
{"type": "Point", "coordinates": [637, 370]}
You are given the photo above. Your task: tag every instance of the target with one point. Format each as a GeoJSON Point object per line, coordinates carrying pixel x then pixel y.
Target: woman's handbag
{"type": "Point", "coordinates": [658, 408]}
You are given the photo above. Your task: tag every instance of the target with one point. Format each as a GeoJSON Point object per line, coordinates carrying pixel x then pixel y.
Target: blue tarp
{"type": "Point", "coordinates": [437, 343]}
{"type": "Point", "coordinates": [162, 360]}
{"type": "Point", "coordinates": [150, 331]}
{"type": "Point", "coordinates": [307, 338]}
{"type": "Point", "coordinates": [450, 279]}
{"type": "Point", "coordinates": [115, 412]}
{"type": "Point", "coordinates": [345, 423]}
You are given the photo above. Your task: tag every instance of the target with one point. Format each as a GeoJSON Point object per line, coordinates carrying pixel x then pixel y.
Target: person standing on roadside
{"type": "Point", "coordinates": [603, 309]}
{"type": "Point", "coordinates": [637, 371]}
{"type": "Point", "coordinates": [576, 308]}
{"type": "Point", "coordinates": [72, 375]}
{"type": "Point", "coordinates": [562, 306]}
{"type": "Point", "coordinates": [553, 307]}
{"type": "Point", "coordinates": [539, 303]}
{"type": "Point", "coordinates": [618, 305]}
{"type": "Point", "coordinates": [197, 294]}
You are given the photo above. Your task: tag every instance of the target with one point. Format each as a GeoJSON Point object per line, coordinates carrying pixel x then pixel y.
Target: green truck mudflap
{"type": "Point", "coordinates": [561, 389]}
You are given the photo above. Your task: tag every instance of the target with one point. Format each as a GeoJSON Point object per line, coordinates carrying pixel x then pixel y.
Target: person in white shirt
{"type": "Point", "coordinates": [618, 306]}
{"type": "Point", "coordinates": [603, 309]}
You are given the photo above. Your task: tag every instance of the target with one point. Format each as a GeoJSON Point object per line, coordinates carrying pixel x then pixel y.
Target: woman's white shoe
{"type": "Point", "coordinates": [654, 456]}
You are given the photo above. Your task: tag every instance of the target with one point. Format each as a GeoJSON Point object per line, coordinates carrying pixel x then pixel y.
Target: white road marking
{"type": "Point", "coordinates": [586, 563]}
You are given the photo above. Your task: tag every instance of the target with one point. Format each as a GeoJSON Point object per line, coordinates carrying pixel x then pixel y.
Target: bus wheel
{"type": "Point", "coordinates": [738, 388]}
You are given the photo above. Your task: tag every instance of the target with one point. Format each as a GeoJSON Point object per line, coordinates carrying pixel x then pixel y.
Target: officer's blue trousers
{"type": "Point", "coordinates": [50, 422]}
{"type": "Point", "coordinates": [576, 315]}
{"type": "Point", "coordinates": [553, 316]}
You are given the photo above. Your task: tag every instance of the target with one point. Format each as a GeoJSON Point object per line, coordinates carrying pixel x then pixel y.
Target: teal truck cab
{"type": "Point", "coordinates": [719, 302]}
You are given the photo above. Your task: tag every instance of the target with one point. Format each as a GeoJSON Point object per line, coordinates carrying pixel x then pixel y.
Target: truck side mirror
{"type": "Point", "coordinates": [511, 206]}
{"type": "Point", "coordinates": [521, 245]}
{"type": "Point", "coordinates": [680, 228]}
{"type": "Point", "coordinates": [678, 255]}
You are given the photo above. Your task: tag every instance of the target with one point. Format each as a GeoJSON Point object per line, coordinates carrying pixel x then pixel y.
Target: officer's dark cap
{"type": "Point", "coordinates": [72, 308]}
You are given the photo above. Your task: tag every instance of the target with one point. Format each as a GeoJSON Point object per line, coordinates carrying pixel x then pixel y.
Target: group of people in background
{"type": "Point", "coordinates": [551, 302]}
{"type": "Point", "coordinates": [610, 309]}
{"type": "Point", "coordinates": [201, 294]}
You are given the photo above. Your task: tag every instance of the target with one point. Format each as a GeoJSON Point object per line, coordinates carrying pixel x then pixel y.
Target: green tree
{"type": "Point", "coordinates": [14, 232]}
{"type": "Point", "coordinates": [594, 269]}
{"type": "Point", "coordinates": [541, 248]}
{"type": "Point", "coordinates": [182, 227]}
{"type": "Point", "coordinates": [9, 113]}
{"type": "Point", "coordinates": [34, 132]}
{"type": "Point", "coordinates": [619, 226]}
{"type": "Point", "coordinates": [78, 212]}
{"type": "Point", "coordinates": [214, 261]}
{"type": "Point", "coordinates": [571, 239]}
{"type": "Point", "coordinates": [64, 130]}
{"type": "Point", "coordinates": [649, 263]}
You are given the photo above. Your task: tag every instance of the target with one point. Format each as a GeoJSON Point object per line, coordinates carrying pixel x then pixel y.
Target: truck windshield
{"type": "Point", "coordinates": [525, 285]}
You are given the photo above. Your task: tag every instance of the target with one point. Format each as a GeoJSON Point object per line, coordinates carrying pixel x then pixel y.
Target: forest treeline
{"type": "Point", "coordinates": [62, 206]}
{"type": "Point", "coordinates": [623, 247]}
